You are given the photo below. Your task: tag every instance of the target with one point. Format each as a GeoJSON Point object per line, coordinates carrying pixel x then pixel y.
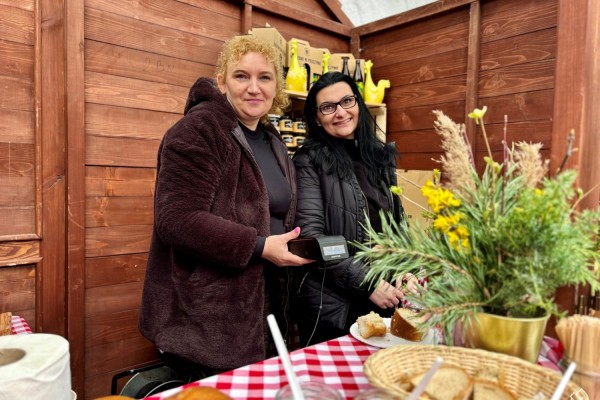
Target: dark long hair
{"type": "Point", "coordinates": [376, 155]}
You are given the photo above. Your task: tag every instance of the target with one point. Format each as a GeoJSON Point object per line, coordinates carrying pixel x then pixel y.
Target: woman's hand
{"type": "Point", "coordinates": [411, 283]}
{"type": "Point", "coordinates": [276, 250]}
{"type": "Point", "coordinates": [386, 295]}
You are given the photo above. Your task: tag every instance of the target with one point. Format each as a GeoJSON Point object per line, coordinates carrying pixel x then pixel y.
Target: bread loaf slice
{"type": "Point", "coordinates": [371, 325]}
{"type": "Point", "coordinates": [200, 393]}
{"type": "Point", "coordinates": [485, 390]}
{"type": "Point", "coordinates": [448, 383]}
{"type": "Point", "coordinates": [404, 324]}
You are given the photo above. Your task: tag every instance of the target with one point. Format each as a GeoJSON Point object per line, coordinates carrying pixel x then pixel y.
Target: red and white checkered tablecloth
{"type": "Point", "coordinates": [338, 363]}
{"type": "Point", "coordinates": [19, 325]}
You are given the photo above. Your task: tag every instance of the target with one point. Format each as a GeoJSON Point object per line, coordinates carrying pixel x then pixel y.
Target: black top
{"type": "Point", "coordinates": [280, 193]}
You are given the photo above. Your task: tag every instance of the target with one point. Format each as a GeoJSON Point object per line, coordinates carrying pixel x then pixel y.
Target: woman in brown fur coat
{"type": "Point", "coordinates": [224, 209]}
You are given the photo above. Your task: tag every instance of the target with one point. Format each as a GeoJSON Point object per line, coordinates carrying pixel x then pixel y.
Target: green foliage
{"type": "Point", "coordinates": [520, 244]}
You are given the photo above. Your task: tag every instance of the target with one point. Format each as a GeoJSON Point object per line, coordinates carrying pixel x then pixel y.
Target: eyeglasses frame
{"type": "Point", "coordinates": [339, 103]}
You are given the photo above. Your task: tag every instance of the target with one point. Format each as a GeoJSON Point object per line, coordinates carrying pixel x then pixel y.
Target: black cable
{"type": "Point", "coordinates": [320, 308]}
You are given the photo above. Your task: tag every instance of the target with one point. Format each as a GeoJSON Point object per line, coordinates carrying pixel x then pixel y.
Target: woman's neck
{"type": "Point", "coordinates": [252, 125]}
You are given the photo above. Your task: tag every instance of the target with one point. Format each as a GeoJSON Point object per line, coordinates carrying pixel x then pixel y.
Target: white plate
{"type": "Point", "coordinates": [389, 340]}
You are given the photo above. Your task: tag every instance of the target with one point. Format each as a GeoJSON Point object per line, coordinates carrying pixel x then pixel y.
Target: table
{"type": "Point", "coordinates": [19, 325]}
{"type": "Point", "coordinates": [338, 363]}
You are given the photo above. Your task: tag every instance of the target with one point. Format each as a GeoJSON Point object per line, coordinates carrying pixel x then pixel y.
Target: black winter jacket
{"type": "Point", "coordinates": [328, 205]}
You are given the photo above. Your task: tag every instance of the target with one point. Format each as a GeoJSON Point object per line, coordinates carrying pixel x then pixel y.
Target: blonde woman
{"type": "Point", "coordinates": [224, 209]}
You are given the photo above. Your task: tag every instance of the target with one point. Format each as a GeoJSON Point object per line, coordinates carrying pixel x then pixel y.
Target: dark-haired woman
{"type": "Point", "coordinates": [344, 174]}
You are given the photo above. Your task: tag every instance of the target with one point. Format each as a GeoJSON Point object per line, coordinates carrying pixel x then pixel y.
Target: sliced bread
{"type": "Point", "coordinates": [448, 383]}
{"type": "Point", "coordinates": [485, 390]}
{"type": "Point", "coordinates": [371, 325]}
{"type": "Point", "coordinates": [404, 324]}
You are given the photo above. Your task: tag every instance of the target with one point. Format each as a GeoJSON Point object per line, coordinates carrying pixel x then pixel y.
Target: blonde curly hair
{"type": "Point", "coordinates": [235, 48]}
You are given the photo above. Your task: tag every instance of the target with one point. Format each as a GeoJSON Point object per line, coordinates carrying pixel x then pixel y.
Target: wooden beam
{"type": "Point", "coordinates": [246, 19]}
{"type": "Point", "coordinates": [590, 141]}
{"type": "Point", "coordinates": [569, 85]}
{"type": "Point", "coordinates": [355, 48]}
{"type": "Point", "coordinates": [472, 88]}
{"type": "Point", "coordinates": [336, 9]}
{"type": "Point", "coordinates": [75, 197]}
{"type": "Point", "coordinates": [411, 15]}
{"type": "Point", "coordinates": [299, 15]}
{"type": "Point", "coordinates": [50, 272]}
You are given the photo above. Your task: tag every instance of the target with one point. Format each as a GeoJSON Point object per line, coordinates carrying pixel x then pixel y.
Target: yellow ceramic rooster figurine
{"type": "Point", "coordinates": [296, 77]}
{"type": "Point", "coordinates": [325, 63]}
{"type": "Point", "coordinates": [374, 94]}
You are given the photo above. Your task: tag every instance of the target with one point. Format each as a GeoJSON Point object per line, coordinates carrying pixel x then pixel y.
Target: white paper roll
{"type": "Point", "coordinates": [34, 367]}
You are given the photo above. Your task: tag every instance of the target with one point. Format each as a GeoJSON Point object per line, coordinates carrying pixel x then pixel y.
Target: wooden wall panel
{"type": "Point", "coordinates": [17, 290]}
{"type": "Point", "coordinates": [19, 244]}
{"type": "Point", "coordinates": [17, 93]}
{"type": "Point", "coordinates": [22, 4]}
{"type": "Point", "coordinates": [108, 181]}
{"type": "Point", "coordinates": [296, 29]}
{"type": "Point", "coordinates": [19, 252]}
{"type": "Point", "coordinates": [426, 62]}
{"type": "Point", "coordinates": [16, 126]}
{"type": "Point", "coordinates": [113, 270]}
{"type": "Point", "coordinates": [159, 13]}
{"type": "Point", "coordinates": [114, 211]}
{"type": "Point", "coordinates": [310, 6]}
{"type": "Point", "coordinates": [17, 59]}
{"type": "Point", "coordinates": [130, 63]}
{"type": "Point", "coordinates": [140, 35]}
{"type": "Point", "coordinates": [135, 93]}
{"type": "Point", "coordinates": [111, 121]}
{"type": "Point", "coordinates": [499, 18]}
{"type": "Point", "coordinates": [534, 46]}
{"type": "Point", "coordinates": [17, 24]}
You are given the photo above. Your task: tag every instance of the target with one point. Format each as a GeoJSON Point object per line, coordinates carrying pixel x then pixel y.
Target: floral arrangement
{"type": "Point", "coordinates": [501, 241]}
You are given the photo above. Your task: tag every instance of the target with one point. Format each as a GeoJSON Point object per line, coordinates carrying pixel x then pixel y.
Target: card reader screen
{"type": "Point", "coordinates": [333, 250]}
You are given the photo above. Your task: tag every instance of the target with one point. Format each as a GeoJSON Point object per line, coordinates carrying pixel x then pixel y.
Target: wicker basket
{"type": "Point", "coordinates": [387, 368]}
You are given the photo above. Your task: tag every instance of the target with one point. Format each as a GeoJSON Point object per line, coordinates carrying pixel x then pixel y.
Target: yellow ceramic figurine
{"type": "Point", "coordinates": [325, 62]}
{"type": "Point", "coordinates": [296, 77]}
{"type": "Point", "coordinates": [374, 93]}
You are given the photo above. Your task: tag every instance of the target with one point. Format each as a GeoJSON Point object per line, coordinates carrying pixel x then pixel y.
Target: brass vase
{"type": "Point", "coordinates": [520, 337]}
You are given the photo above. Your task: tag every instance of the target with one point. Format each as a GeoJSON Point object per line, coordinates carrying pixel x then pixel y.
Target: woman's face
{"type": "Point", "coordinates": [343, 121]}
{"type": "Point", "coordinates": [250, 87]}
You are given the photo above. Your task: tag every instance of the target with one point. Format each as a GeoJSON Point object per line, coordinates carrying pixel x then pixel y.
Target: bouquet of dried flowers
{"type": "Point", "coordinates": [501, 241]}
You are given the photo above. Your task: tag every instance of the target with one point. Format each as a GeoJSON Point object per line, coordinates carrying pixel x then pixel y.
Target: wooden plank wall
{"type": "Point", "coordinates": [133, 63]}
{"type": "Point", "coordinates": [141, 57]}
{"type": "Point", "coordinates": [430, 62]}
{"type": "Point", "coordinates": [19, 239]}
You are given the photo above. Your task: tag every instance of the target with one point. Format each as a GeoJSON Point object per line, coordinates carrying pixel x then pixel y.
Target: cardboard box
{"type": "Point", "coordinates": [272, 36]}
{"type": "Point", "coordinates": [316, 72]}
{"type": "Point", "coordinates": [336, 62]}
{"type": "Point", "coordinates": [309, 57]}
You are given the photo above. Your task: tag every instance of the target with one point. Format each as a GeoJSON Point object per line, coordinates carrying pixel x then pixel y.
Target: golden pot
{"type": "Point", "coordinates": [520, 337]}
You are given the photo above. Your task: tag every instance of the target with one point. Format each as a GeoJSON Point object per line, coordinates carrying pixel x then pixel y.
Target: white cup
{"type": "Point", "coordinates": [311, 391]}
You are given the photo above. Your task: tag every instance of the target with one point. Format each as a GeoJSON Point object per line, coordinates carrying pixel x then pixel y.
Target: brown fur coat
{"type": "Point", "coordinates": [203, 295]}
